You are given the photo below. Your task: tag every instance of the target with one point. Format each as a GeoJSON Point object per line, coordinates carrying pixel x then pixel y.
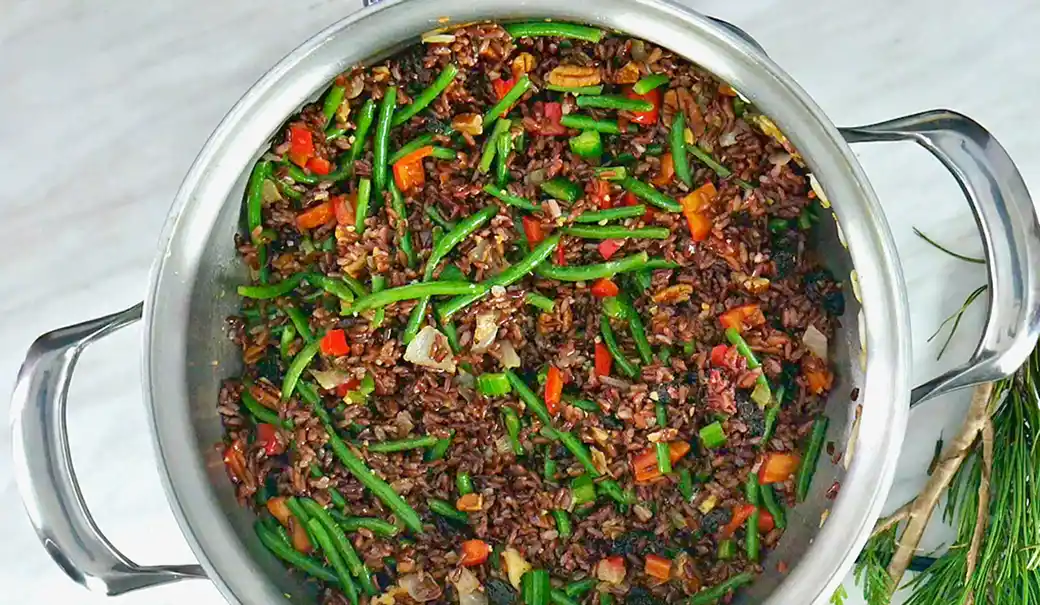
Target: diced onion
{"type": "Point", "coordinates": [485, 331]}
{"type": "Point", "coordinates": [818, 190]}
{"type": "Point", "coordinates": [728, 138]}
{"type": "Point", "coordinates": [508, 355]}
{"type": "Point", "coordinates": [330, 379]}
{"type": "Point", "coordinates": [779, 158]}
{"type": "Point", "coordinates": [516, 566]}
{"type": "Point", "coordinates": [639, 50]}
{"type": "Point", "coordinates": [503, 445]}
{"type": "Point", "coordinates": [468, 586]}
{"type": "Point", "coordinates": [436, 37]}
{"type": "Point", "coordinates": [420, 349]}
{"type": "Point", "coordinates": [270, 192]}
{"type": "Point", "coordinates": [421, 587]}
{"type": "Point", "coordinates": [554, 209]}
{"type": "Point", "coordinates": [815, 341]}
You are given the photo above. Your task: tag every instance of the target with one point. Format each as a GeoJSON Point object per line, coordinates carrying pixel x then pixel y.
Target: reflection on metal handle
{"type": "Point", "coordinates": [43, 466]}
{"type": "Point", "coordinates": [1010, 233]}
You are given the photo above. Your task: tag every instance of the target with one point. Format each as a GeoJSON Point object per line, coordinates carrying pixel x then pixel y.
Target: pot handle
{"type": "Point", "coordinates": [43, 465]}
{"type": "Point", "coordinates": [1010, 231]}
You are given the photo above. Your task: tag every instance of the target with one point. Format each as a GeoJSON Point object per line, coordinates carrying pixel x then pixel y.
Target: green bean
{"type": "Point", "coordinates": [461, 231]}
{"type": "Point", "coordinates": [635, 325]}
{"type": "Point", "coordinates": [577, 589]}
{"type": "Point", "coordinates": [464, 483]}
{"type": "Point", "coordinates": [614, 102]}
{"type": "Point", "coordinates": [498, 110]}
{"type": "Point", "coordinates": [560, 30]}
{"type": "Point", "coordinates": [710, 595]}
{"type": "Point", "coordinates": [612, 173]}
{"type": "Point", "coordinates": [404, 236]}
{"type": "Point", "coordinates": [605, 598]}
{"type": "Point", "coordinates": [381, 144]}
{"type": "Point", "coordinates": [334, 133]}
{"type": "Point", "coordinates": [344, 171]}
{"type": "Point", "coordinates": [440, 449]}
{"type": "Point", "coordinates": [589, 123]}
{"type": "Point", "coordinates": [504, 144]}
{"type": "Point", "coordinates": [611, 268]}
{"type": "Point", "coordinates": [705, 158]}
{"type": "Point", "coordinates": [676, 138]}
{"type": "Point", "coordinates": [340, 542]}
{"type": "Point", "coordinates": [270, 291]}
{"type": "Point", "coordinates": [435, 216]}
{"type": "Point", "coordinates": [648, 83]}
{"type": "Point", "coordinates": [583, 404]}
{"type": "Point", "coordinates": [401, 445]}
{"type": "Point", "coordinates": [364, 194]}
{"type": "Point", "coordinates": [331, 285]}
{"type": "Point", "coordinates": [354, 284]}
{"type": "Point", "coordinates": [577, 90]}
{"type": "Point", "coordinates": [443, 153]}
{"type": "Point", "coordinates": [491, 146]}
{"type": "Point", "coordinates": [512, 422]}
{"type": "Point", "coordinates": [612, 489]}
{"type": "Point", "coordinates": [772, 414]}
{"type": "Point", "coordinates": [366, 115]}
{"type": "Point", "coordinates": [423, 140]}
{"type": "Point", "coordinates": [506, 278]}
{"type": "Point", "coordinates": [357, 467]}
{"type": "Point", "coordinates": [752, 490]}
{"type": "Point", "coordinates": [255, 196]}
{"type": "Point", "coordinates": [612, 214]}
{"type": "Point", "coordinates": [532, 401]}
{"type": "Point", "coordinates": [535, 587]}
{"type": "Point", "coordinates": [377, 526]}
{"type": "Point", "coordinates": [287, 190]}
{"type": "Point", "coordinates": [315, 529]}
{"type": "Point", "coordinates": [626, 366]}
{"type": "Point", "coordinates": [811, 458]}
{"type": "Point", "coordinates": [427, 96]}
{"type": "Point", "coordinates": [297, 367]}
{"type": "Point", "coordinates": [686, 485]}
{"type": "Point", "coordinates": [378, 283]}
{"type": "Point", "coordinates": [563, 523]}
{"type": "Point", "coordinates": [664, 460]}
{"type": "Point", "coordinates": [659, 263]}
{"type": "Point", "coordinates": [734, 337]}
{"type": "Point", "coordinates": [286, 553]}
{"type": "Point", "coordinates": [299, 176]}
{"type": "Point", "coordinates": [752, 541]}
{"type": "Point", "coordinates": [333, 99]}
{"type": "Point", "coordinates": [578, 449]}
{"type": "Point", "coordinates": [617, 232]}
{"type": "Point", "coordinates": [649, 194]}
{"type": "Point", "coordinates": [418, 290]}
{"type": "Point", "coordinates": [539, 301]}
{"type": "Point", "coordinates": [549, 466]}
{"type": "Point", "coordinates": [261, 413]}
{"type": "Point", "coordinates": [511, 200]}
{"type": "Point", "coordinates": [560, 597]}
{"type": "Point", "coordinates": [303, 327]}
{"type": "Point", "coordinates": [415, 320]}
{"type": "Point", "coordinates": [773, 506]}
{"type": "Point", "coordinates": [287, 339]}
{"type": "Point", "coordinates": [446, 510]}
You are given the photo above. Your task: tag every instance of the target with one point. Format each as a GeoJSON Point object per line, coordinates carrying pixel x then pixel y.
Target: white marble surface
{"type": "Point", "coordinates": [104, 104]}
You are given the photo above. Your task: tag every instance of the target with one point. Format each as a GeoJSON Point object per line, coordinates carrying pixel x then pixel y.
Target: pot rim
{"type": "Point", "coordinates": [217, 175]}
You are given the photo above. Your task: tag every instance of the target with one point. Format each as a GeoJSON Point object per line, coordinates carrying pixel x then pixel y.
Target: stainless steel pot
{"type": "Point", "coordinates": [186, 356]}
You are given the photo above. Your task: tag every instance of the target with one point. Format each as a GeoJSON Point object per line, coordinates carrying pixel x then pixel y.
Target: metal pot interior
{"type": "Point", "coordinates": [188, 353]}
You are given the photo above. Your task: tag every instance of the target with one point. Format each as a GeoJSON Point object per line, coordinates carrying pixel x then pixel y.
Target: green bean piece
{"type": "Point", "coordinates": [261, 413]}
{"type": "Point", "coordinates": [549, 466]}
{"type": "Point", "coordinates": [664, 460]}
{"type": "Point", "coordinates": [404, 235]}
{"type": "Point", "coordinates": [623, 364]}
{"type": "Point", "coordinates": [366, 115]}
{"type": "Point", "coordinates": [611, 268]}
{"type": "Point", "coordinates": [255, 197]}
{"type": "Point", "coordinates": [498, 110]}
{"type": "Point", "coordinates": [511, 200]}
{"type": "Point", "coordinates": [811, 458]}
{"type": "Point", "coordinates": [661, 413]}
{"type": "Point", "coordinates": [286, 553]}
{"type": "Point", "coordinates": [491, 146]}
{"type": "Point", "coordinates": [415, 320]}
{"type": "Point", "coordinates": [344, 171]}
{"type": "Point", "coordinates": [705, 158]}
{"type": "Point", "coordinates": [589, 123]}
{"type": "Point", "coordinates": [659, 263]}
{"type": "Point", "coordinates": [577, 90]}
{"type": "Point", "coordinates": [562, 189]}
{"type": "Point", "coordinates": [381, 145]}
{"type": "Point", "coordinates": [676, 138]}
{"type": "Point", "coordinates": [335, 559]}
{"type": "Point", "coordinates": [710, 595]}
{"type": "Point", "coordinates": [563, 523]}
{"type": "Point", "coordinates": [267, 292]}
{"type": "Point", "coordinates": [288, 190]}
{"type": "Point", "coordinates": [333, 99]}
{"type": "Point", "coordinates": [297, 367]}
{"type": "Point", "coordinates": [364, 194]}
{"type": "Point", "coordinates": [577, 590]}
{"type": "Point", "coordinates": [440, 449]}
{"type": "Point", "coordinates": [535, 587]}
{"type": "Point", "coordinates": [417, 290]}
{"type": "Point", "coordinates": [339, 540]}
{"type": "Point", "coordinates": [532, 401]}
{"type": "Point", "coordinates": [460, 232]}
{"type": "Point", "coordinates": [583, 404]}
{"type": "Point", "coordinates": [772, 414]}
{"type": "Point", "coordinates": [685, 486]}
{"type": "Point", "coordinates": [423, 140]}
{"type": "Point", "coordinates": [504, 279]}
{"type": "Point", "coordinates": [635, 326]}
{"type": "Point", "coordinates": [617, 232]}
{"type": "Point", "coordinates": [650, 195]}
{"type": "Point", "coordinates": [773, 506]}
{"type": "Point", "coordinates": [612, 173]}
{"type": "Point", "coordinates": [401, 445]}
{"type": "Point", "coordinates": [299, 176]}
{"type": "Point", "coordinates": [614, 102]}
{"type": "Point", "coordinates": [648, 83]}
{"type": "Point", "coordinates": [752, 540]}
{"type": "Point", "coordinates": [576, 447]}
{"type": "Point", "coordinates": [355, 285]}
{"type": "Point", "coordinates": [303, 327]}
{"type": "Point", "coordinates": [377, 526]}
{"type": "Point", "coordinates": [726, 550]}
{"type": "Point", "coordinates": [560, 597]}
{"type": "Point", "coordinates": [334, 132]}
{"type": "Point", "coordinates": [559, 30]}
{"type": "Point", "coordinates": [427, 96]}
{"type": "Point", "coordinates": [447, 510]}
{"type": "Point", "coordinates": [612, 489]}
{"type": "Point", "coordinates": [436, 217]}
{"type": "Point", "coordinates": [752, 490]}
{"type": "Point", "coordinates": [512, 422]}
{"type": "Point", "coordinates": [378, 283]}
{"type": "Point", "coordinates": [333, 286]}
{"type": "Point", "coordinates": [613, 214]}
{"type": "Point", "coordinates": [464, 483]}
{"type": "Point", "coordinates": [287, 339]}
{"type": "Point", "coordinates": [503, 144]}
{"type": "Point", "coordinates": [655, 149]}
{"type": "Point", "coordinates": [734, 337]}
{"type": "Point", "coordinates": [605, 598]}
{"type": "Point", "coordinates": [539, 301]}
{"type": "Point", "coordinates": [778, 225]}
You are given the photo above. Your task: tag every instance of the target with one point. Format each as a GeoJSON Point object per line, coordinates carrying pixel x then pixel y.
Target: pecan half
{"type": "Point", "coordinates": [572, 76]}
{"type": "Point", "coordinates": [628, 74]}
{"type": "Point", "coordinates": [674, 294]}
{"type": "Point", "coordinates": [470, 123]}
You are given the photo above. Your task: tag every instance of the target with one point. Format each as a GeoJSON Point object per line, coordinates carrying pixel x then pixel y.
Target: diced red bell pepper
{"type": "Point", "coordinates": [474, 552]}
{"type": "Point", "coordinates": [696, 208]}
{"type": "Point", "coordinates": [316, 216]}
{"type": "Point", "coordinates": [608, 247]}
{"type": "Point", "coordinates": [550, 126]}
{"type": "Point", "coordinates": [301, 145]}
{"type": "Point", "coordinates": [408, 171]}
{"type": "Point", "coordinates": [601, 193]}
{"type": "Point", "coordinates": [346, 387]}
{"type": "Point", "coordinates": [533, 230]}
{"type": "Point", "coordinates": [335, 343]}
{"type": "Point", "coordinates": [604, 288]}
{"type": "Point", "coordinates": [743, 317]}
{"type": "Point", "coordinates": [766, 523]}
{"type": "Point", "coordinates": [718, 355]}
{"type": "Point", "coordinates": [235, 460]}
{"type": "Point", "coordinates": [646, 117]}
{"type": "Point", "coordinates": [603, 360]}
{"type": "Point", "coordinates": [561, 254]}
{"type": "Point", "coordinates": [267, 437]}
{"type": "Point", "coordinates": [611, 570]}
{"type": "Point", "coordinates": [644, 466]}
{"type": "Point", "coordinates": [503, 86]}
{"type": "Point", "coordinates": [777, 467]}
{"type": "Point", "coordinates": [658, 567]}
{"type": "Point", "coordinates": [553, 390]}
{"type": "Point", "coordinates": [630, 199]}
{"type": "Point", "coordinates": [319, 166]}
{"type": "Point", "coordinates": [343, 208]}
{"type": "Point", "coordinates": [741, 513]}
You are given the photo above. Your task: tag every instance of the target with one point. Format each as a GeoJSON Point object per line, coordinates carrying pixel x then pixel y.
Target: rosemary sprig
{"type": "Point", "coordinates": [956, 319]}
{"type": "Point", "coordinates": [963, 257]}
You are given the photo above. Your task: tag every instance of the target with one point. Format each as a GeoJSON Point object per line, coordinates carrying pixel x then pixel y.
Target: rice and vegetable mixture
{"type": "Point", "coordinates": [533, 318]}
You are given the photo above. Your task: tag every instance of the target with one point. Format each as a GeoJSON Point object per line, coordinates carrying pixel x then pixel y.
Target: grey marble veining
{"type": "Point", "coordinates": [103, 106]}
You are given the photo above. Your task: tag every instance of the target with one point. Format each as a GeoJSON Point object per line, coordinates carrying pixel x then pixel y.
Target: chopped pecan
{"type": "Point", "coordinates": [692, 111]}
{"type": "Point", "coordinates": [522, 64]}
{"type": "Point", "coordinates": [674, 294]}
{"type": "Point", "coordinates": [753, 284]}
{"type": "Point", "coordinates": [628, 74]}
{"type": "Point", "coordinates": [470, 123]}
{"type": "Point", "coordinates": [670, 106]}
{"type": "Point", "coordinates": [572, 76]}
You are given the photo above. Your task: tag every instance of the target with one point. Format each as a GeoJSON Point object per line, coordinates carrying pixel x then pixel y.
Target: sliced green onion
{"type": "Point", "coordinates": [648, 83]}
{"type": "Point", "coordinates": [493, 385]}
{"type": "Point", "coordinates": [583, 490]}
